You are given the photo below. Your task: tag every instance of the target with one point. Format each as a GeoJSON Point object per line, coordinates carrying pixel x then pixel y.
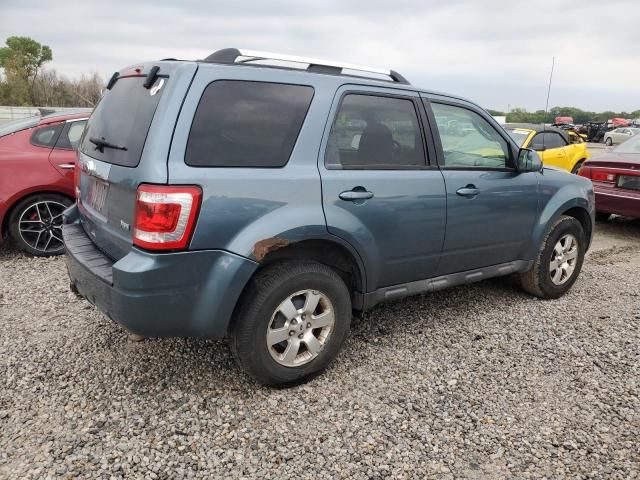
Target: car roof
{"type": "Point", "coordinates": [514, 126]}
{"type": "Point", "coordinates": [537, 127]}
{"type": "Point", "coordinates": [238, 58]}
{"type": "Point", "coordinates": [53, 116]}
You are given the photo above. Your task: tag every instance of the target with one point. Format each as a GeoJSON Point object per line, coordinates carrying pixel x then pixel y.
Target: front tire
{"type": "Point", "coordinates": [35, 224]}
{"type": "Point", "coordinates": [291, 322]}
{"type": "Point", "coordinates": [608, 142]}
{"type": "Point", "coordinates": [558, 262]}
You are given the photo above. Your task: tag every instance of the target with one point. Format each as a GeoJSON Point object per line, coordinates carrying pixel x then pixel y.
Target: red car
{"type": "Point", "coordinates": [37, 161]}
{"type": "Point", "coordinates": [616, 180]}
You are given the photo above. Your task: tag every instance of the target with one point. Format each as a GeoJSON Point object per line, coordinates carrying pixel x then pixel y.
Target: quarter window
{"type": "Point", "coordinates": [70, 136]}
{"type": "Point", "coordinates": [46, 136]}
{"type": "Point", "coordinates": [468, 140]}
{"type": "Point", "coordinates": [247, 124]}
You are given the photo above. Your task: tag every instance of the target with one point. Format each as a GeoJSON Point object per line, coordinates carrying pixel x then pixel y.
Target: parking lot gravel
{"type": "Point", "coordinates": [480, 381]}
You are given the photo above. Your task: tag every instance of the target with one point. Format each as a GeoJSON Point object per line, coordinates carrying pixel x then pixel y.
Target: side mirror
{"type": "Point", "coordinates": [528, 161]}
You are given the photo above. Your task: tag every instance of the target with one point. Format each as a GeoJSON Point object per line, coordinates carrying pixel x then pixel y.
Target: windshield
{"type": "Point", "coordinates": [17, 125]}
{"type": "Point", "coordinates": [630, 146]}
{"type": "Point", "coordinates": [117, 130]}
{"type": "Point", "coordinates": [519, 136]}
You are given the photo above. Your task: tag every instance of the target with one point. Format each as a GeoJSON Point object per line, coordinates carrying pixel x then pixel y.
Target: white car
{"type": "Point", "coordinates": [619, 135]}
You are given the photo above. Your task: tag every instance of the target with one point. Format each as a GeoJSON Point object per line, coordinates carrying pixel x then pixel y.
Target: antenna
{"type": "Point", "coordinates": [546, 106]}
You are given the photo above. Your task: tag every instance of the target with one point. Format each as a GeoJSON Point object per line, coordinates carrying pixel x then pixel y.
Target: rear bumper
{"type": "Point", "coordinates": [617, 201]}
{"type": "Point", "coordinates": [183, 294]}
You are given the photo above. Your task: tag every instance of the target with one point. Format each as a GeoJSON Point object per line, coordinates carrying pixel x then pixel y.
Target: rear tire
{"type": "Point", "coordinates": [558, 262]}
{"type": "Point", "coordinates": [290, 322]}
{"type": "Point", "coordinates": [608, 142]}
{"type": "Point", "coordinates": [35, 224]}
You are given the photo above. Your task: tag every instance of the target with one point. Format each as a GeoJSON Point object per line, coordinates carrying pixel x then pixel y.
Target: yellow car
{"type": "Point", "coordinates": [558, 148]}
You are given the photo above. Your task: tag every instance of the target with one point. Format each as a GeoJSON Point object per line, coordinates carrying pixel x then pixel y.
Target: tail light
{"type": "Point", "coordinates": [603, 176]}
{"type": "Point", "coordinates": [598, 174]}
{"type": "Point", "coordinates": [165, 216]}
{"type": "Point", "coordinates": [585, 172]}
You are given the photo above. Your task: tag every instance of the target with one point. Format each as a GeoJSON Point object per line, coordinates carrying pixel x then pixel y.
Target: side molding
{"type": "Point", "coordinates": [396, 292]}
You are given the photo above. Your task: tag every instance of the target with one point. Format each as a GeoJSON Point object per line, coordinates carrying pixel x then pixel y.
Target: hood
{"type": "Point", "coordinates": [555, 169]}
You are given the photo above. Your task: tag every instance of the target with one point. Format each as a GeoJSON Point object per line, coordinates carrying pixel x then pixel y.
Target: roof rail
{"type": "Point", "coordinates": [231, 55]}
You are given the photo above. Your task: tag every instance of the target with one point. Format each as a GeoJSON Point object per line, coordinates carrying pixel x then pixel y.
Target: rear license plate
{"type": "Point", "coordinates": [97, 195]}
{"type": "Point", "coordinates": [631, 182]}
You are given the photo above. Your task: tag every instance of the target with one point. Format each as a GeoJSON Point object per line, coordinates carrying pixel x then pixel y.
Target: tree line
{"type": "Point", "coordinates": [520, 115]}
{"type": "Point", "coordinates": [24, 81]}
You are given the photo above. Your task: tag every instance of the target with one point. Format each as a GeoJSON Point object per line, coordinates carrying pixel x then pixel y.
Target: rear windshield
{"type": "Point", "coordinates": [122, 118]}
{"type": "Point", "coordinates": [17, 125]}
{"type": "Point", "coordinates": [247, 124]}
{"type": "Point", "coordinates": [629, 146]}
{"type": "Point", "coordinates": [518, 135]}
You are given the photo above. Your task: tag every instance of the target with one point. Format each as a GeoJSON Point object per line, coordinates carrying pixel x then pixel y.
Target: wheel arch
{"type": "Point", "coordinates": [570, 200]}
{"type": "Point", "coordinates": [17, 199]}
{"type": "Point", "coordinates": [582, 215]}
{"type": "Point", "coordinates": [577, 164]}
{"type": "Point", "coordinates": [329, 252]}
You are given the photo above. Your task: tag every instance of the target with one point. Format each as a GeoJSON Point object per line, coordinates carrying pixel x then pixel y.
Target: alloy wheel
{"type": "Point", "coordinates": [300, 328]}
{"type": "Point", "coordinates": [40, 226]}
{"type": "Point", "coordinates": [563, 259]}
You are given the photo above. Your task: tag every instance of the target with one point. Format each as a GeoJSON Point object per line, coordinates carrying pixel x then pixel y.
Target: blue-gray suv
{"type": "Point", "coordinates": [266, 198]}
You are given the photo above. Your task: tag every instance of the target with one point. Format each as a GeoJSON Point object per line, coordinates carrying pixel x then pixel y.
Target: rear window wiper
{"type": "Point", "coordinates": [101, 143]}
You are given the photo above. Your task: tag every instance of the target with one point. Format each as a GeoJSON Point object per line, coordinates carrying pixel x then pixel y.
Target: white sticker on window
{"type": "Point", "coordinates": [156, 88]}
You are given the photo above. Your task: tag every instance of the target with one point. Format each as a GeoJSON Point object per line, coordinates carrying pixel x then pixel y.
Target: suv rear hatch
{"type": "Point", "coordinates": [127, 143]}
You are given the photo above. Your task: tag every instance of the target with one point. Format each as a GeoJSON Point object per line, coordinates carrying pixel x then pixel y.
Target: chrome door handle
{"type": "Point", "coordinates": [469, 191]}
{"type": "Point", "coordinates": [355, 195]}
{"type": "Point", "coordinates": [67, 166]}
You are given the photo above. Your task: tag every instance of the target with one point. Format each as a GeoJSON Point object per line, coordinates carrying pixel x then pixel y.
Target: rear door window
{"type": "Point", "coordinates": [123, 118]}
{"type": "Point", "coordinates": [247, 124]}
{"type": "Point", "coordinates": [375, 132]}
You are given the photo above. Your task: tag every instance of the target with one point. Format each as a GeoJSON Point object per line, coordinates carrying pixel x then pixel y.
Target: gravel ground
{"type": "Point", "coordinates": [480, 381]}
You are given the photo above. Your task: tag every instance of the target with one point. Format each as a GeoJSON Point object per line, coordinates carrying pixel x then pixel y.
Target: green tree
{"type": "Point", "coordinates": [21, 60]}
{"type": "Point", "coordinates": [520, 115]}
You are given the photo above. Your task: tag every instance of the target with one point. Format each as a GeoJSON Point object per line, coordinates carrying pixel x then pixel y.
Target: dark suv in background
{"type": "Point", "coordinates": [267, 197]}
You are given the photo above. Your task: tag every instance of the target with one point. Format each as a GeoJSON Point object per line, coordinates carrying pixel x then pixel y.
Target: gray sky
{"type": "Point", "coordinates": [497, 53]}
